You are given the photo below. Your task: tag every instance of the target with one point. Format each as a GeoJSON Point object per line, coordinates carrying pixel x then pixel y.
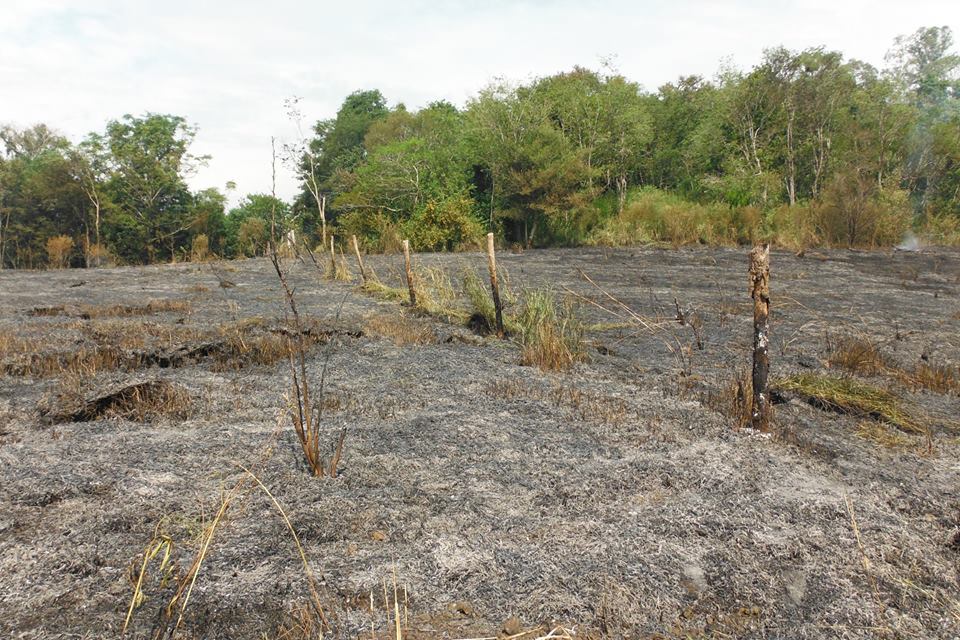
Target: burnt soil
{"type": "Point", "coordinates": [617, 499]}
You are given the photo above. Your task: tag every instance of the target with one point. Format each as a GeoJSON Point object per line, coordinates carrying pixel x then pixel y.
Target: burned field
{"type": "Point", "coordinates": [150, 470]}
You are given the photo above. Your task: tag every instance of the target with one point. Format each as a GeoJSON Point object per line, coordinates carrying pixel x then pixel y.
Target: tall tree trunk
{"type": "Point", "coordinates": [3, 238]}
{"type": "Point", "coordinates": [322, 206]}
{"type": "Point", "coordinates": [791, 161]}
{"type": "Point", "coordinates": [621, 192]}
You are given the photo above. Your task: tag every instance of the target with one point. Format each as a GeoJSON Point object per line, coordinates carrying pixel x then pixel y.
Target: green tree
{"type": "Point", "coordinates": [150, 160]}
{"type": "Point", "coordinates": [260, 207]}
{"type": "Point", "coordinates": [208, 218]}
{"type": "Point", "coordinates": [535, 171]}
{"type": "Point", "coordinates": [326, 161]}
{"type": "Point", "coordinates": [416, 168]}
{"type": "Point", "coordinates": [38, 197]}
{"type": "Point", "coordinates": [928, 73]}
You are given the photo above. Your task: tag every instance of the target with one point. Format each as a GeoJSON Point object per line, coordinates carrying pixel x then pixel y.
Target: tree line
{"type": "Point", "coordinates": [805, 148]}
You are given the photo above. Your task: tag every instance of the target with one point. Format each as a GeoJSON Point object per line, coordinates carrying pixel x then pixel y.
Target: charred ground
{"type": "Point", "coordinates": [615, 498]}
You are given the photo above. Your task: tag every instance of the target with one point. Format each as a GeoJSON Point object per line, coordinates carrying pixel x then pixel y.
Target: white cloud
{"type": "Point", "coordinates": [228, 66]}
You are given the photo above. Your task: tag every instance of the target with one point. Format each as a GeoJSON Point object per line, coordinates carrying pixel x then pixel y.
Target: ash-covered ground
{"type": "Point", "coordinates": [616, 499]}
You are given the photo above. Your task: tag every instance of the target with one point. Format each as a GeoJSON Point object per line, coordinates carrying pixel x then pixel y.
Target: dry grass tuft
{"type": "Point", "coordinates": [399, 329]}
{"type": "Point", "coordinates": [436, 294]}
{"type": "Point", "coordinates": [122, 310]}
{"type": "Point", "coordinates": [862, 356]}
{"type": "Point", "coordinates": [732, 399]}
{"type": "Point", "coordinates": [937, 378]}
{"type": "Point", "coordinates": [550, 334]}
{"type": "Point", "coordinates": [434, 290]}
{"type": "Point", "coordinates": [30, 361]}
{"type": "Point", "coordinates": [139, 402]}
{"type": "Point", "coordinates": [123, 345]}
{"type": "Point", "coordinates": [171, 616]}
{"type": "Point", "coordinates": [847, 395]}
{"type": "Point", "coordinates": [582, 405]}
{"type": "Point", "coordinates": [882, 435]}
{"type": "Point", "coordinates": [341, 271]}
{"type": "Point", "coordinates": [113, 311]}
{"type": "Point", "coordinates": [41, 312]}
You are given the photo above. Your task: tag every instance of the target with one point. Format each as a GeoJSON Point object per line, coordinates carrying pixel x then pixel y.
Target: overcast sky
{"type": "Point", "coordinates": [228, 66]}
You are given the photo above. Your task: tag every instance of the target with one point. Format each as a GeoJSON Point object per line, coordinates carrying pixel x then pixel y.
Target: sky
{"type": "Point", "coordinates": [229, 66]}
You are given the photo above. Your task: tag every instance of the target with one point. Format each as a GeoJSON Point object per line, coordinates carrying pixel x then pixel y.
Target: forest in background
{"type": "Point", "coordinates": [804, 149]}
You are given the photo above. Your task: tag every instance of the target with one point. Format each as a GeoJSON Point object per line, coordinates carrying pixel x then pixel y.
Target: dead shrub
{"type": "Point", "coordinates": [99, 256]}
{"type": "Point", "coordinates": [854, 213]}
{"type": "Point", "coordinates": [59, 249]}
{"type": "Point", "coordinates": [306, 411]}
{"type": "Point", "coordinates": [200, 248]}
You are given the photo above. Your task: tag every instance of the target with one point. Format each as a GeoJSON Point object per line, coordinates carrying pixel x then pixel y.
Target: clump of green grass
{"type": "Point", "coordinates": [847, 395]}
{"type": "Point", "coordinates": [550, 333]}
{"type": "Point", "coordinates": [483, 316]}
{"type": "Point", "coordinates": [480, 301]}
{"type": "Point", "coordinates": [436, 295]}
{"type": "Point", "coordinates": [386, 292]}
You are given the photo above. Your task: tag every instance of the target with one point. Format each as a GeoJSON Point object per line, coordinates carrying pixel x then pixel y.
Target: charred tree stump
{"type": "Point", "coordinates": [409, 268]}
{"type": "Point", "coordinates": [494, 284]}
{"type": "Point", "coordinates": [356, 250]}
{"type": "Point", "coordinates": [760, 292]}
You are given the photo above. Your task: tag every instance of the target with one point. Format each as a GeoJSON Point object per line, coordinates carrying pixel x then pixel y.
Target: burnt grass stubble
{"type": "Point", "coordinates": [616, 497]}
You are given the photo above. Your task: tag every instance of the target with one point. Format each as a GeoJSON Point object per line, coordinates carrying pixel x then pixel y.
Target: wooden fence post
{"type": "Point", "coordinates": [406, 259]}
{"type": "Point", "coordinates": [494, 285]}
{"type": "Point", "coordinates": [333, 259]}
{"type": "Point", "coordinates": [356, 250]}
{"type": "Point", "coordinates": [760, 292]}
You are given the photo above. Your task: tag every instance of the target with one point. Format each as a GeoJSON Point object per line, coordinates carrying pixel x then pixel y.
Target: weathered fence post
{"type": "Point", "coordinates": [333, 259]}
{"type": "Point", "coordinates": [356, 250]}
{"type": "Point", "coordinates": [494, 285]}
{"type": "Point", "coordinates": [406, 259]}
{"type": "Point", "coordinates": [760, 292]}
